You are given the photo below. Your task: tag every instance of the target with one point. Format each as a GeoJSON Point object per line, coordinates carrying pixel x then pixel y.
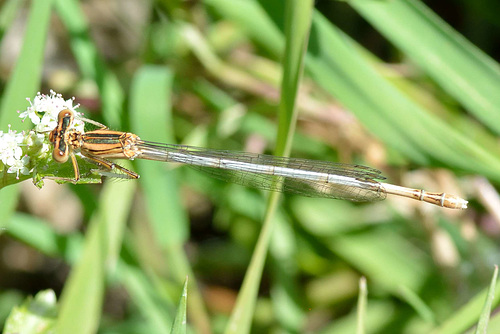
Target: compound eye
{"type": "Point", "coordinates": [65, 113]}
{"type": "Point", "coordinates": [60, 156]}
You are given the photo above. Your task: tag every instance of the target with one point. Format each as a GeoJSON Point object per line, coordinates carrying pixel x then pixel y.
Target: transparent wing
{"type": "Point", "coordinates": [298, 176]}
{"type": "Point", "coordinates": [309, 188]}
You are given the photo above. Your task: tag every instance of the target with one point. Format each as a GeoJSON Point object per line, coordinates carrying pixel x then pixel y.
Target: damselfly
{"type": "Point", "coordinates": [300, 176]}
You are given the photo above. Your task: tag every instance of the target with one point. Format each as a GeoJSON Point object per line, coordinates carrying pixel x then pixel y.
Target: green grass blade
{"type": "Point", "coordinates": [39, 235]}
{"type": "Point", "coordinates": [179, 326]}
{"type": "Point", "coordinates": [467, 315]}
{"type": "Point", "coordinates": [482, 326]}
{"type": "Point", "coordinates": [81, 300]}
{"type": "Point", "coordinates": [494, 324]}
{"type": "Point", "coordinates": [362, 302]}
{"type": "Point", "coordinates": [336, 64]}
{"type": "Point", "coordinates": [151, 118]}
{"type": "Point", "coordinates": [8, 198]}
{"type": "Point", "coordinates": [83, 293]}
{"type": "Point", "coordinates": [417, 303]}
{"type": "Point", "coordinates": [145, 297]}
{"type": "Point", "coordinates": [25, 80]}
{"type": "Point", "coordinates": [297, 26]}
{"type": "Point", "coordinates": [403, 264]}
{"type": "Point", "coordinates": [286, 294]}
{"type": "Point", "coordinates": [459, 67]}
{"type": "Point", "coordinates": [23, 83]}
{"type": "Point", "coordinates": [297, 23]}
{"type": "Point", "coordinates": [90, 62]}
{"type": "Point", "coordinates": [341, 67]}
{"type": "Point", "coordinates": [325, 68]}
{"type": "Point", "coordinates": [8, 14]}
{"type": "Point", "coordinates": [376, 320]}
{"type": "Point", "coordinates": [246, 14]}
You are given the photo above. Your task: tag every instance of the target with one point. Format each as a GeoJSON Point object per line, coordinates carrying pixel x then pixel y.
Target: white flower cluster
{"type": "Point", "coordinates": [44, 109]}
{"type": "Point", "coordinates": [11, 151]}
{"type": "Point", "coordinates": [43, 113]}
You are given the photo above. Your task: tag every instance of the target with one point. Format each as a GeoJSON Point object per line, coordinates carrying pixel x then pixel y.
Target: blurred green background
{"type": "Point", "coordinates": [408, 89]}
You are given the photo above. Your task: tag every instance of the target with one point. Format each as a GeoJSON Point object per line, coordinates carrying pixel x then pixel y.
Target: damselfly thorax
{"type": "Point", "coordinates": [96, 145]}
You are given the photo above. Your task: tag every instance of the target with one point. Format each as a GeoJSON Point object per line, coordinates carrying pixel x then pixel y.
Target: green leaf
{"type": "Point", "coordinates": [35, 316]}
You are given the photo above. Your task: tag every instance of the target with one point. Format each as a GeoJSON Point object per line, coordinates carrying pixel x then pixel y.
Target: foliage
{"type": "Point", "coordinates": [209, 74]}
